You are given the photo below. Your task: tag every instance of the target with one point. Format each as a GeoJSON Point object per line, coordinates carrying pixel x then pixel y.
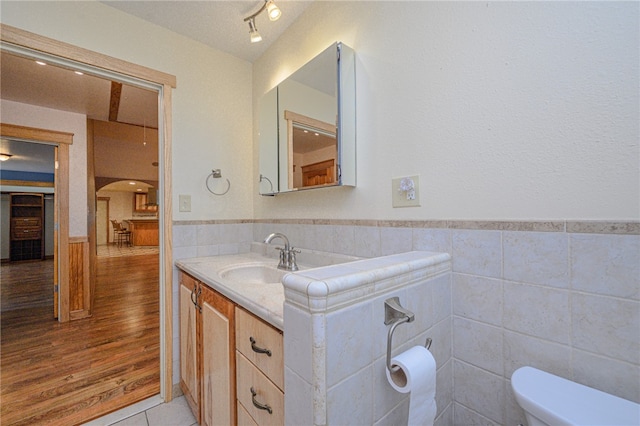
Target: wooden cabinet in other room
{"type": "Point", "coordinates": [27, 230]}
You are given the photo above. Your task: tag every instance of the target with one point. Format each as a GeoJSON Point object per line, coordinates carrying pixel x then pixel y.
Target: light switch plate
{"type": "Point", "coordinates": [185, 203]}
{"type": "Point", "coordinates": [405, 198]}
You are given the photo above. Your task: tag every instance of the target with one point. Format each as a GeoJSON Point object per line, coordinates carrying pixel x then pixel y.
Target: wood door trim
{"type": "Point", "coordinates": [4, 182]}
{"type": "Point", "coordinates": [47, 45]}
{"type": "Point", "coordinates": [62, 140]}
{"type": "Point", "coordinates": [36, 134]}
{"type": "Point", "coordinates": [78, 54]}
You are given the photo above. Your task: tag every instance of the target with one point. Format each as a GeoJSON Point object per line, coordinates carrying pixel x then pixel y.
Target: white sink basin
{"type": "Point", "coordinates": [255, 273]}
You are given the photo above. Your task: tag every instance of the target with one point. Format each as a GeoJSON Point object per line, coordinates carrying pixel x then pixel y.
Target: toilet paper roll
{"type": "Point", "coordinates": [417, 374]}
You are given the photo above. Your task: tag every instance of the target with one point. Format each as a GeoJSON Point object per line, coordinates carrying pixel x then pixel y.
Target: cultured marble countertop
{"type": "Point", "coordinates": [264, 300]}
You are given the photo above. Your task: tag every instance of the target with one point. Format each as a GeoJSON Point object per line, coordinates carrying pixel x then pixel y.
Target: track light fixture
{"type": "Point", "coordinates": [273, 12]}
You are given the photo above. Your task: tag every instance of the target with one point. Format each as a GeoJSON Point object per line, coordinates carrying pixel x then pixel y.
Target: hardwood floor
{"type": "Point", "coordinates": [26, 285]}
{"type": "Point", "coordinates": [66, 374]}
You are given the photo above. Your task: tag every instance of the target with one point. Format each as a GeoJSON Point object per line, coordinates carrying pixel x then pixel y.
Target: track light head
{"type": "Point", "coordinates": [253, 31]}
{"type": "Point", "coordinates": [273, 11]}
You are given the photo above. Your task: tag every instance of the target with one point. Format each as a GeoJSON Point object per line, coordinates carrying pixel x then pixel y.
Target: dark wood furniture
{"type": "Point", "coordinates": [27, 229]}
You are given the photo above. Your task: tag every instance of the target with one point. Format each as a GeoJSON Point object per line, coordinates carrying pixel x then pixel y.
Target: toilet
{"type": "Point", "coordinates": [549, 400]}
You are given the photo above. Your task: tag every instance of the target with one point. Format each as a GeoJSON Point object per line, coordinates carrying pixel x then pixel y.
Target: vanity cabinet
{"type": "Point", "coordinates": [189, 382]}
{"type": "Point", "coordinates": [222, 344]}
{"type": "Point", "coordinates": [260, 369]}
{"type": "Point", "coordinates": [207, 352]}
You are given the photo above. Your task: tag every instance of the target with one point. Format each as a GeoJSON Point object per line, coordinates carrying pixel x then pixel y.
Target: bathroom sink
{"type": "Point", "coordinates": [256, 273]}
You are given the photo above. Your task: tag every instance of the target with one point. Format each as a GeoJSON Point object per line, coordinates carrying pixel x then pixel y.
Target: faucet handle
{"type": "Point", "coordinates": [293, 266]}
{"type": "Point", "coordinates": [283, 258]}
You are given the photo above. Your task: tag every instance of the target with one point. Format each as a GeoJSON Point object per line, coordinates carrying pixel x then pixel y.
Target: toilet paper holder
{"type": "Point", "coordinates": [395, 315]}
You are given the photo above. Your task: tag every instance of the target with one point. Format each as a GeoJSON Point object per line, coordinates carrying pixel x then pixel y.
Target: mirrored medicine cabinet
{"type": "Point", "coordinates": [307, 124]}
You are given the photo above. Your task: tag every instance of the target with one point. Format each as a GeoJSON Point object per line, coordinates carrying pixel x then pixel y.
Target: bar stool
{"type": "Point", "coordinates": [120, 235]}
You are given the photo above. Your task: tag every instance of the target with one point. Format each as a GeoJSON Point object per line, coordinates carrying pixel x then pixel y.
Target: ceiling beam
{"type": "Point", "coordinates": [114, 100]}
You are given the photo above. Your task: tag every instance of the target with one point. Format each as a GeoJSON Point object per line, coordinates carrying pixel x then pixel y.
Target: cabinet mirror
{"type": "Point", "coordinates": [308, 127]}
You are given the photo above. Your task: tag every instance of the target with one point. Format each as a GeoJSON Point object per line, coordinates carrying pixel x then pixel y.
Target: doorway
{"type": "Point", "coordinates": [57, 52]}
{"type": "Point", "coordinates": [28, 222]}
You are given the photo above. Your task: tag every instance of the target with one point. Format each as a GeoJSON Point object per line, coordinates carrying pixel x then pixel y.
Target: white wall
{"type": "Point", "coordinates": [51, 119]}
{"type": "Point", "coordinates": [120, 204]}
{"type": "Point", "coordinates": [211, 105]}
{"type": "Point", "coordinates": [506, 110]}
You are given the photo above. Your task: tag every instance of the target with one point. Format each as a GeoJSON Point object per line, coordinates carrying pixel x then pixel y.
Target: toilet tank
{"type": "Point", "coordinates": [557, 401]}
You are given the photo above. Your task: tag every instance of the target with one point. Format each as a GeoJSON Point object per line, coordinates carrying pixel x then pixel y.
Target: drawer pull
{"type": "Point", "coordinates": [257, 348]}
{"type": "Point", "coordinates": [259, 405]}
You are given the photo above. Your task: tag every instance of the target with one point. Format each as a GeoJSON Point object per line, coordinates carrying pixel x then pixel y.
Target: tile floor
{"type": "Point", "coordinates": [174, 413]}
{"type": "Point", "coordinates": [113, 250]}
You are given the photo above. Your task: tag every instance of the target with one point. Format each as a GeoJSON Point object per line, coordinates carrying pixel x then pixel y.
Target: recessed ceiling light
{"type": "Point", "coordinates": [132, 183]}
{"type": "Point", "coordinates": [139, 190]}
{"type": "Point", "coordinates": [41, 63]}
{"type": "Point", "coordinates": [79, 72]}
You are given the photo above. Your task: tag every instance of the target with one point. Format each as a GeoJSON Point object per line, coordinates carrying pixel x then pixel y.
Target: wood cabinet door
{"type": "Point", "coordinates": [218, 360]}
{"type": "Point", "coordinates": [188, 345]}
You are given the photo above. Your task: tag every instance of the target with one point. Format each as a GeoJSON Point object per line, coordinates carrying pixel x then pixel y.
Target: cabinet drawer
{"type": "Point", "coordinates": [26, 221]}
{"type": "Point", "coordinates": [266, 393]}
{"type": "Point", "coordinates": [26, 233]}
{"type": "Point", "coordinates": [250, 328]}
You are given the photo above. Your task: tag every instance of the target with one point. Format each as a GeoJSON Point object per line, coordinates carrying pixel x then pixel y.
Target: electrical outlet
{"type": "Point", "coordinates": [405, 191]}
{"type": "Point", "coordinates": [185, 203]}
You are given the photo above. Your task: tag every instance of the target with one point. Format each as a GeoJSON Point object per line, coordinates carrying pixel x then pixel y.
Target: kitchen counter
{"type": "Point", "coordinates": [144, 231]}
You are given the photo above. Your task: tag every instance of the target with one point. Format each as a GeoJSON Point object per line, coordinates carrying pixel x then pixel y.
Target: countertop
{"type": "Point", "coordinates": [263, 300]}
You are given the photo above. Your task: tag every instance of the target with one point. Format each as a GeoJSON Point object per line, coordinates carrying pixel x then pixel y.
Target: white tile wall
{"type": "Point", "coordinates": [536, 258]}
{"type": "Point", "coordinates": [567, 303]}
{"type": "Point", "coordinates": [606, 264]}
{"type": "Point", "coordinates": [477, 252]}
{"type": "Point", "coordinates": [349, 358]}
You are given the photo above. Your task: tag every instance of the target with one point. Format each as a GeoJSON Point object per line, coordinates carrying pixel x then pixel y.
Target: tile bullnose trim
{"type": "Point", "coordinates": [569, 226]}
{"type": "Point", "coordinates": [496, 225]}
{"type": "Point", "coordinates": [213, 222]}
{"type": "Point", "coordinates": [602, 227]}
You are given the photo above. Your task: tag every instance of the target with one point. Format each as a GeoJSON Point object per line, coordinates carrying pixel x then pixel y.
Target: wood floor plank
{"type": "Point", "coordinates": [67, 374]}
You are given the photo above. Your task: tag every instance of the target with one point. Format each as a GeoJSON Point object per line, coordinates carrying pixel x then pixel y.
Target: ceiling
{"type": "Point", "coordinates": [50, 86]}
{"type": "Point", "coordinates": [218, 24]}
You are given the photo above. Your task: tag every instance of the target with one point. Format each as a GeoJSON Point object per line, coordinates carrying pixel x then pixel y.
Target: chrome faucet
{"type": "Point", "coordinates": [287, 254]}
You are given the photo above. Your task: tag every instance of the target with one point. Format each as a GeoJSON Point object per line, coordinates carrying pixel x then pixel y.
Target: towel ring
{"type": "Point", "coordinates": [216, 173]}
